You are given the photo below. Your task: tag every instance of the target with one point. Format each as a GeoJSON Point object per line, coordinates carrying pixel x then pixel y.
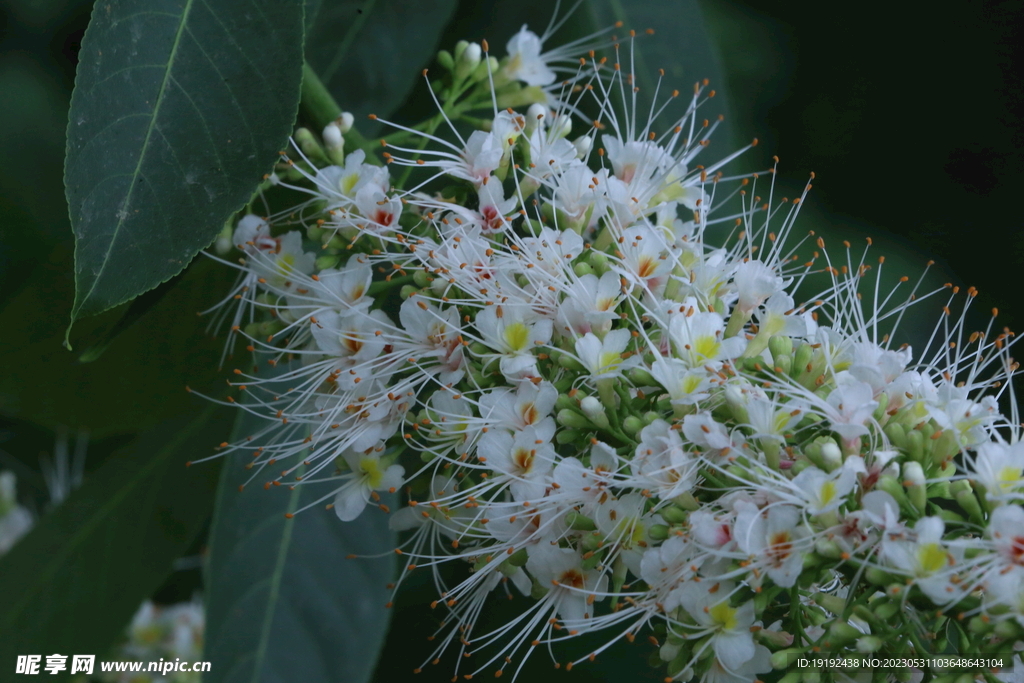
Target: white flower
{"type": "Point", "coordinates": [824, 492]}
{"type": "Point", "coordinates": [571, 588]}
{"type": "Point", "coordinates": [603, 358]}
{"type": "Point", "coordinates": [525, 61]}
{"type": "Point", "coordinates": [523, 461]}
{"type": "Point", "coordinates": [708, 603]}
{"type": "Point", "coordinates": [774, 540]}
{"type": "Point", "coordinates": [661, 462]}
{"type": "Point", "coordinates": [368, 475]}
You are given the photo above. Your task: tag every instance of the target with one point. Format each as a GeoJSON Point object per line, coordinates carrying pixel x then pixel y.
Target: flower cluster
{"type": "Point", "coordinates": [581, 361]}
{"type": "Point", "coordinates": [159, 634]}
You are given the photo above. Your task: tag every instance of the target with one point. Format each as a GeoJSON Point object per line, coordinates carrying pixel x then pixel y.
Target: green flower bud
{"type": "Point", "coordinates": [422, 278]}
{"type": "Point", "coordinates": [566, 401]}
{"type": "Point", "coordinates": [980, 625]}
{"type": "Point", "coordinates": [967, 500]}
{"type": "Point", "coordinates": [564, 436]}
{"type": "Point", "coordinates": [650, 416]}
{"type": "Point", "coordinates": [833, 603]}
{"type": "Point", "coordinates": [673, 514]}
{"type": "Point", "coordinates": [659, 532]}
{"type": "Point", "coordinates": [810, 676]}
{"type": "Point", "coordinates": [309, 145]}
{"type": "Point", "coordinates": [518, 558]}
{"type": "Point", "coordinates": [784, 659]}
{"type": "Point", "coordinates": [1008, 630]}
{"type": "Point", "coordinates": [869, 644]}
{"type": "Point", "coordinates": [570, 363]}
{"type": "Point", "coordinates": [572, 419]}
{"type": "Point", "coordinates": [408, 290]}
{"type": "Point", "coordinates": [886, 609]}
{"type": "Point", "coordinates": [582, 268]}
{"type": "Point", "coordinates": [687, 501]}
{"type": "Point", "coordinates": [327, 261]}
{"type": "Point", "coordinates": [641, 378]}
{"type": "Point", "coordinates": [580, 522]}
{"type": "Point", "coordinates": [780, 346]}
{"type": "Point", "coordinates": [914, 481]}
{"type": "Point", "coordinates": [842, 632]}
{"type": "Point", "coordinates": [883, 403]}
{"type": "Point", "coordinates": [877, 577]}
{"type": "Point", "coordinates": [888, 483]}
{"type": "Point", "coordinates": [801, 359]}
{"type": "Point", "coordinates": [632, 424]}
{"type": "Point", "coordinates": [591, 542]}
{"type": "Point", "coordinates": [445, 59]}
{"type": "Point", "coordinates": [897, 434]}
{"type": "Point", "coordinates": [599, 262]}
{"type": "Point", "coordinates": [915, 444]}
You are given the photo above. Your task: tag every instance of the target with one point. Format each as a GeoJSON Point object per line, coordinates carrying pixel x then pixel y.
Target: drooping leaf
{"type": "Point", "coordinates": [141, 379]}
{"type": "Point", "coordinates": [369, 54]}
{"type": "Point", "coordinates": [178, 111]}
{"type": "Point", "coordinates": [72, 584]}
{"type": "Point", "coordinates": [284, 601]}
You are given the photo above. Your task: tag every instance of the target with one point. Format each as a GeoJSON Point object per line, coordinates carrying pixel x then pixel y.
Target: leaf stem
{"type": "Point", "coordinates": [319, 106]}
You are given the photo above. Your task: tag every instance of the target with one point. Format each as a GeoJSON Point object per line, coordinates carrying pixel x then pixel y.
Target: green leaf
{"type": "Point", "coordinates": [680, 44]}
{"type": "Point", "coordinates": [179, 109]}
{"type": "Point", "coordinates": [74, 582]}
{"type": "Point", "coordinates": [284, 601]}
{"type": "Point", "coordinates": [369, 53]}
{"type": "Point", "coordinates": [139, 382]}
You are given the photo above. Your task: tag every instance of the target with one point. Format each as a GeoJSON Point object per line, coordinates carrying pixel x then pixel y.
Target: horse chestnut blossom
{"type": "Point", "coordinates": [605, 375]}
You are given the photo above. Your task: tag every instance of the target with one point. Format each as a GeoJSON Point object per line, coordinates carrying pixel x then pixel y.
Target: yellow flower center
{"type": "Point", "coordinates": [723, 616]}
{"type": "Point", "coordinates": [931, 558]}
{"type": "Point", "coordinates": [516, 336]}
{"type": "Point", "coordinates": [372, 471]}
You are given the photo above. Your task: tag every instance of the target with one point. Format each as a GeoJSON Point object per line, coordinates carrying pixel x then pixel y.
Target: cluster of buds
{"type": "Point", "coordinates": [582, 363]}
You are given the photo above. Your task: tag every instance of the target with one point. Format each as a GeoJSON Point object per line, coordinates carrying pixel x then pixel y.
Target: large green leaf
{"type": "Point", "coordinates": [680, 45]}
{"type": "Point", "coordinates": [179, 109]}
{"type": "Point", "coordinates": [369, 53]}
{"type": "Point", "coordinates": [72, 584]}
{"type": "Point", "coordinates": [285, 603]}
{"type": "Point", "coordinates": [139, 382]}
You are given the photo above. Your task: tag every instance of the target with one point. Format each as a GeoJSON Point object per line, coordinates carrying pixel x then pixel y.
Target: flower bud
{"type": "Point", "coordinates": [564, 436]}
{"type": "Point", "coordinates": [632, 424]}
{"type": "Point", "coordinates": [659, 532]}
{"type": "Point", "coordinates": [784, 659]}
{"type": "Point", "coordinates": [467, 61]}
{"type": "Point", "coordinates": [572, 419]}
{"type": "Point", "coordinates": [535, 116]}
{"type": "Point", "coordinates": [333, 139]}
{"type": "Point", "coordinates": [445, 59]}
{"type": "Point", "coordinates": [842, 632]}
{"type": "Point", "coordinates": [869, 644]}
{"type": "Point", "coordinates": [583, 145]}
{"type": "Point", "coordinates": [579, 522]}
{"type": "Point", "coordinates": [345, 121]}
{"type": "Point", "coordinates": [673, 514]}
{"type": "Point", "coordinates": [914, 481]}
{"type": "Point", "coordinates": [831, 456]}
{"type": "Point", "coordinates": [593, 409]}
{"type": "Point", "coordinates": [327, 261]}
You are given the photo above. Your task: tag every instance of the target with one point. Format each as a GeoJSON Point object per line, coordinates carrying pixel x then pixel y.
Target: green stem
{"type": "Point", "coordinates": [319, 106]}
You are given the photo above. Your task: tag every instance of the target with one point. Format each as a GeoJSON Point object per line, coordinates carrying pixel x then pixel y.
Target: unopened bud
{"type": "Point", "coordinates": [869, 644]}
{"type": "Point", "coordinates": [583, 145]}
{"type": "Point", "coordinates": [831, 456]}
{"type": "Point", "coordinates": [334, 143]}
{"type": "Point", "coordinates": [535, 116]}
{"type": "Point", "coordinates": [593, 409]}
{"type": "Point", "coordinates": [572, 419]}
{"type": "Point", "coordinates": [632, 424]}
